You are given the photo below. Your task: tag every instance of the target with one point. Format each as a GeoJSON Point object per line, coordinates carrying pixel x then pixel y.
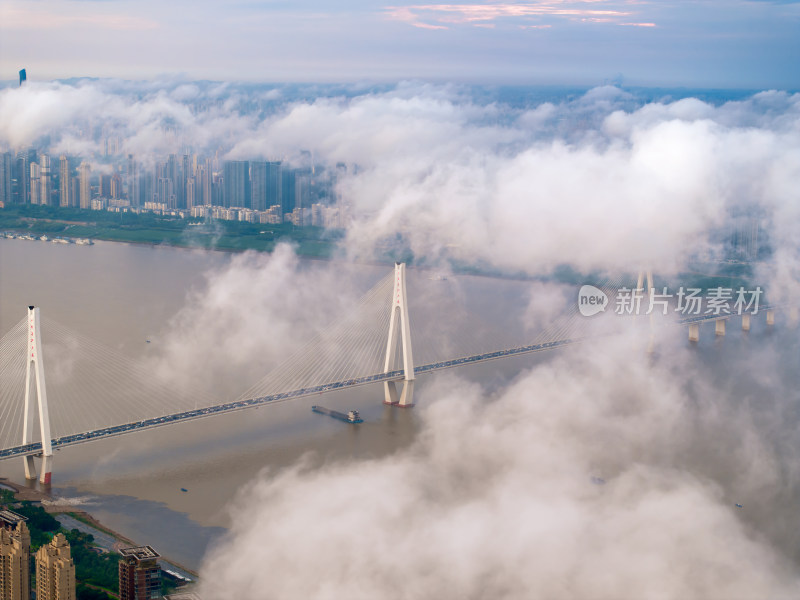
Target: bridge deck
{"type": "Point", "coordinates": [79, 438]}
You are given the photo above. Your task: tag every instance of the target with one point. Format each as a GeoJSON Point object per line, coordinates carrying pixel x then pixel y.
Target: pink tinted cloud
{"type": "Point", "coordinates": [483, 13]}
{"type": "Point", "coordinates": [57, 17]}
{"type": "Point", "coordinates": [405, 14]}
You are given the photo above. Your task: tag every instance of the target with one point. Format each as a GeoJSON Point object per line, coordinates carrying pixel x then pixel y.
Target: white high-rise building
{"type": "Point", "coordinates": [45, 189]}
{"type": "Point", "coordinates": [85, 172]}
{"type": "Point", "coordinates": [64, 182]}
{"type": "Point", "coordinates": [36, 183]}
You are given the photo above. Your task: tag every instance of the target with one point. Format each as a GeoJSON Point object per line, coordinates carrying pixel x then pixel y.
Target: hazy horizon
{"type": "Point", "coordinates": [745, 44]}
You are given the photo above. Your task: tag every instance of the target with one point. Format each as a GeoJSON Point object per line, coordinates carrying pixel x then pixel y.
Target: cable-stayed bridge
{"type": "Point", "coordinates": [92, 392]}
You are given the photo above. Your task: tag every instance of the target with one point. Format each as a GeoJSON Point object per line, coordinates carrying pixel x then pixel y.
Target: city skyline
{"type": "Point", "coordinates": [409, 150]}
{"type": "Point", "coordinates": [745, 44]}
{"type": "Point", "coordinates": [189, 185]}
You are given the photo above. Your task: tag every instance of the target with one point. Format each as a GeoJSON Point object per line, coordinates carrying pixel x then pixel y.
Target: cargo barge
{"type": "Point", "coordinates": [349, 417]}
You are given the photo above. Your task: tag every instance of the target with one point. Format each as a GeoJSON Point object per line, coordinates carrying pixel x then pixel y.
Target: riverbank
{"type": "Point", "coordinates": [153, 229]}
{"type": "Point", "coordinates": [77, 518]}
{"type": "Point", "coordinates": [314, 243]}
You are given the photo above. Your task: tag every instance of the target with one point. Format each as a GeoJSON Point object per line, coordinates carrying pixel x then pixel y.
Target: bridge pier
{"type": "Point", "coordinates": [399, 313]}
{"type": "Point", "coordinates": [746, 322]}
{"type": "Point", "coordinates": [719, 327]}
{"type": "Point", "coordinates": [694, 332]}
{"type": "Point", "coordinates": [47, 469]}
{"type": "Point", "coordinates": [405, 399]}
{"type": "Point", "coordinates": [771, 317]}
{"type": "Point", "coordinates": [30, 468]}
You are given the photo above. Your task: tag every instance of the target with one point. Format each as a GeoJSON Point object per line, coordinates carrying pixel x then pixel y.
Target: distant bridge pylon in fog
{"type": "Point", "coordinates": [95, 392]}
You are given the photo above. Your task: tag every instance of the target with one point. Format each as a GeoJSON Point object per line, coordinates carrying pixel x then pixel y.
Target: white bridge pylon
{"type": "Point", "coordinates": [399, 313]}
{"type": "Point", "coordinates": [34, 361]}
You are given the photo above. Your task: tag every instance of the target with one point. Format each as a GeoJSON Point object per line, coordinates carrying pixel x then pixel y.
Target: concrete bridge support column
{"type": "Point", "coordinates": [771, 317]}
{"type": "Point", "coordinates": [46, 476]}
{"type": "Point", "coordinates": [746, 322]}
{"type": "Point", "coordinates": [719, 327]}
{"type": "Point", "coordinates": [30, 468]}
{"type": "Point", "coordinates": [694, 332]}
{"type": "Point", "coordinates": [405, 399]}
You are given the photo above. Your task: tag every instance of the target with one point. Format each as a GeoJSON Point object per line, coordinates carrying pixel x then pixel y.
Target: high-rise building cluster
{"type": "Point", "coordinates": [139, 571]}
{"type": "Point", "coordinates": [185, 185]}
{"type": "Point", "coordinates": [55, 570]}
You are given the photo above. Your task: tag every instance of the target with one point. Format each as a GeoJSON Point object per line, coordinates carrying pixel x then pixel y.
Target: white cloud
{"type": "Point", "coordinates": [599, 182]}
{"type": "Point", "coordinates": [248, 317]}
{"type": "Point", "coordinates": [496, 497]}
